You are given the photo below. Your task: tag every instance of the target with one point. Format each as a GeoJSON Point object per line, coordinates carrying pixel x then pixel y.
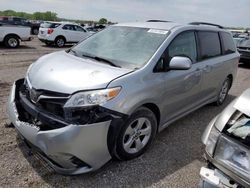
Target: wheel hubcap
{"type": "Point", "coordinates": [223, 92]}
{"type": "Point", "coordinates": [12, 42]}
{"type": "Point", "coordinates": [137, 135]}
{"type": "Point", "coordinates": [60, 42]}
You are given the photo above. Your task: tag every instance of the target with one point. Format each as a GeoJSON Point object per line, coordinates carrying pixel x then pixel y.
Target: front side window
{"type": "Point", "coordinates": [209, 44]}
{"type": "Point", "coordinates": [129, 47]}
{"type": "Point", "coordinates": [183, 45]}
{"type": "Point", "coordinates": [78, 28]}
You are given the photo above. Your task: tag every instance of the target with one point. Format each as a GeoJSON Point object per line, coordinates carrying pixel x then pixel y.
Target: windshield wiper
{"type": "Point", "coordinates": [101, 59]}
{"type": "Point", "coordinates": [73, 51]}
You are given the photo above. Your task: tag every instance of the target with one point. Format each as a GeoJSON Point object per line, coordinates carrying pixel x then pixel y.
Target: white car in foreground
{"type": "Point", "coordinates": [12, 35]}
{"type": "Point", "coordinates": [59, 33]}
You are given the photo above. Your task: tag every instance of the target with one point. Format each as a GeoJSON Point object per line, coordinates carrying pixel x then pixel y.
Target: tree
{"type": "Point", "coordinates": [103, 21]}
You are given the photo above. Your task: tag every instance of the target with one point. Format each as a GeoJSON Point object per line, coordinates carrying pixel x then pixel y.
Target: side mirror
{"type": "Point", "coordinates": [180, 63]}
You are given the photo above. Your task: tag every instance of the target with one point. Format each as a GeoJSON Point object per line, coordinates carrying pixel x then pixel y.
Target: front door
{"type": "Point", "coordinates": [182, 87]}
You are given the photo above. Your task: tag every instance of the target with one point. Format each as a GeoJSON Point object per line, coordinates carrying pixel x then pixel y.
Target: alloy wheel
{"type": "Point", "coordinates": [137, 135]}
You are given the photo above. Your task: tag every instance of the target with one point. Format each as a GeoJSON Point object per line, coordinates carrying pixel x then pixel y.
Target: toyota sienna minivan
{"type": "Point", "coordinates": [109, 95]}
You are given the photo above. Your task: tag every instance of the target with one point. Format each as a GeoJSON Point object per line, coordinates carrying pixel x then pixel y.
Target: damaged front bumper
{"type": "Point", "coordinates": [213, 178]}
{"type": "Point", "coordinates": [71, 149]}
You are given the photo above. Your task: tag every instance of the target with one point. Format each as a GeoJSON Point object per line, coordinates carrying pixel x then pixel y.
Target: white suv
{"type": "Point", "coordinates": [61, 33]}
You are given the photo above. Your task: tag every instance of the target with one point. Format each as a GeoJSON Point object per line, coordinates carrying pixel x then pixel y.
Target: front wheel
{"type": "Point", "coordinates": [137, 134]}
{"type": "Point", "coordinates": [223, 92]}
{"type": "Point", "coordinates": [35, 31]}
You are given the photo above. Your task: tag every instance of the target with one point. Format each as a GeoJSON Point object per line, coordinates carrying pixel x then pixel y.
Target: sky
{"type": "Point", "coordinates": [224, 12]}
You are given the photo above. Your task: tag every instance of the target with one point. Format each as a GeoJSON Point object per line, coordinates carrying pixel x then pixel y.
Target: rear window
{"type": "Point", "coordinates": [228, 43]}
{"type": "Point", "coordinates": [49, 25]}
{"type": "Point", "coordinates": [209, 44]}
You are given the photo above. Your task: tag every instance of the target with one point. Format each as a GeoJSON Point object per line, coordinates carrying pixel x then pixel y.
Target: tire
{"type": "Point", "coordinates": [60, 42]}
{"type": "Point", "coordinates": [11, 41]}
{"type": "Point", "coordinates": [223, 92]}
{"type": "Point", "coordinates": [35, 31]}
{"type": "Point", "coordinates": [136, 135]}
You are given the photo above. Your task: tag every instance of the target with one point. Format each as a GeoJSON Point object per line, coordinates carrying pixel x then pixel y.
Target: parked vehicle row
{"type": "Point", "coordinates": [60, 33]}
{"type": "Point", "coordinates": [243, 45]}
{"type": "Point", "coordinates": [12, 20]}
{"type": "Point", "coordinates": [12, 35]}
{"type": "Point", "coordinates": [108, 96]}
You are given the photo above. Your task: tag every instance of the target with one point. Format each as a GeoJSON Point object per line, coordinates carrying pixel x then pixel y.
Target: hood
{"type": "Point", "coordinates": [65, 73]}
{"type": "Point", "coordinates": [241, 103]}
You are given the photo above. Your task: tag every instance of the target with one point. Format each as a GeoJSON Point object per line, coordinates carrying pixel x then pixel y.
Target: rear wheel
{"type": "Point", "coordinates": [35, 31]}
{"type": "Point", "coordinates": [137, 134]}
{"type": "Point", "coordinates": [60, 42]}
{"type": "Point", "coordinates": [12, 41]}
{"type": "Point", "coordinates": [223, 92]}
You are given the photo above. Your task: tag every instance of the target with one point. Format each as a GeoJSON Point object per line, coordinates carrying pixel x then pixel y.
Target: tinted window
{"type": "Point", "coordinates": [49, 25]}
{"type": "Point", "coordinates": [78, 28]}
{"type": "Point", "coordinates": [228, 43]}
{"type": "Point", "coordinates": [69, 27]}
{"type": "Point", "coordinates": [209, 44]}
{"type": "Point", "coordinates": [183, 45]}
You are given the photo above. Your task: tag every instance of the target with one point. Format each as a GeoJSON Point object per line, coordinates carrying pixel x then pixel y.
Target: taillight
{"type": "Point", "coordinates": [50, 31]}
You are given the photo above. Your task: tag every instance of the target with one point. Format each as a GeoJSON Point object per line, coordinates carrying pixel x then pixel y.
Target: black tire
{"type": "Point", "coordinates": [60, 42]}
{"type": "Point", "coordinates": [139, 114]}
{"type": "Point", "coordinates": [35, 31]}
{"type": "Point", "coordinates": [11, 41]}
{"type": "Point", "coordinates": [223, 92]}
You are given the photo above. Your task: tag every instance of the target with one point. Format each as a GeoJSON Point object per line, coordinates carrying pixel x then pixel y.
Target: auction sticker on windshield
{"type": "Point", "coordinates": [157, 31]}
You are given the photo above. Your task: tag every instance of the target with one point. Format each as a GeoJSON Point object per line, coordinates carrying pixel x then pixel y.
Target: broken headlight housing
{"type": "Point", "coordinates": [233, 156]}
{"type": "Point", "coordinates": [92, 98]}
{"type": "Point", "coordinates": [212, 140]}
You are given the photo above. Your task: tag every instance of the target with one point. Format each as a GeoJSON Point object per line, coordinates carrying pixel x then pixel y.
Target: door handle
{"type": "Point", "coordinates": [198, 72]}
{"type": "Point", "coordinates": [207, 68]}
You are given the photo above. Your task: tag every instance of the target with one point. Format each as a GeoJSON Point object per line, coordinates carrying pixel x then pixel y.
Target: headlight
{"type": "Point", "coordinates": [234, 156]}
{"type": "Point", "coordinates": [91, 98]}
{"type": "Point", "coordinates": [212, 140]}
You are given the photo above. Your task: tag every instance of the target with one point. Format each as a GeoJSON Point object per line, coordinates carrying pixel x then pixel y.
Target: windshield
{"type": "Point", "coordinates": [127, 47]}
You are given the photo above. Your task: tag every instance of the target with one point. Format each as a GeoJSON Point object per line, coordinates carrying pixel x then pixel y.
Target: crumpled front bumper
{"type": "Point", "coordinates": [213, 178]}
{"type": "Point", "coordinates": [72, 149]}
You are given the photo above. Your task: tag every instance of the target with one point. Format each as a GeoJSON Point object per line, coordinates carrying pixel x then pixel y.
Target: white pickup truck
{"type": "Point", "coordinates": [11, 35]}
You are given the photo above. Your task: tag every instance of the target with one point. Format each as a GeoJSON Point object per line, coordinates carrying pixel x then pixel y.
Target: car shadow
{"type": "Point", "coordinates": [22, 46]}
{"type": "Point", "coordinates": [174, 148]}
{"type": "Point", "coordinates": [245, 64]}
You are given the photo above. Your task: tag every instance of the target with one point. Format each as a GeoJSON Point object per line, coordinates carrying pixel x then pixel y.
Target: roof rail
{"type": "Point", "coordinates": [158, 21]}
{"type": "Point", "coordinates": [205, 23]}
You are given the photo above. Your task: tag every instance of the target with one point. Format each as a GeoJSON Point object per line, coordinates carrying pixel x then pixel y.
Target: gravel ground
{"type": "Point", "coordinates": [174, 160]}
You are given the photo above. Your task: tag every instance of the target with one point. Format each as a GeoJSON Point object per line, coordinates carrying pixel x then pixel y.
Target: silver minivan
{"type": "Point", "coordinates": [109, 95]}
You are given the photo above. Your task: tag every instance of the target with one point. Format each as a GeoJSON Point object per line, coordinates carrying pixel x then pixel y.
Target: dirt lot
{"type": "Point", "coordinates": [174, 160]}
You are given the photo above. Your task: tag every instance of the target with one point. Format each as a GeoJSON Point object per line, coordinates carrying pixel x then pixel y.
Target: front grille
{"type": "Point", "coordinates": [244, 48]}
{"type": "Point", "coordinates": [50, 104]}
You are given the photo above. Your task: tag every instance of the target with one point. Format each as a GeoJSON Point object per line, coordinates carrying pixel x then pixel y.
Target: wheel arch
{"type": "Point", "coordinates": [230, 76]}
{"type": "Point", "coordinates": [11, 34]}
{"type": "Point", "coordinates": [61, 36]}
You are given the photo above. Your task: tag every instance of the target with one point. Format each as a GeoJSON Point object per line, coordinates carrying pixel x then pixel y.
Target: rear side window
{"type": "Point", "coordinates": [209, 44]}
{"type": "Point", "coordinates": [183, 45]}
{"type": "Point", "coordinates": [49, 25]}
{"type": "Point", "coordinates": [228, 43]}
